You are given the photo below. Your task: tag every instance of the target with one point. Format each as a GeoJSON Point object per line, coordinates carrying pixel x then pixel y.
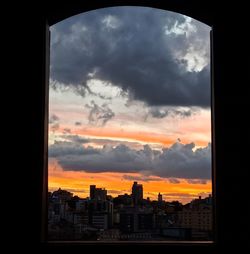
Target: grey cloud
{"type": "Point", "coordinates": [99, 115]}
{"type": "Point", "coordinates": [98, 141]}
{"type": "Point", "coordinates": [177, 161]}
{"type": "Point", "coordinates": [76, 139]}
{"type": "Point", "coordinates": [173, 180]}
{"type": "Point", "coordinates": [63, 148]}
{"type": "Point", "coordinates": [77, 190]}
{"type": "Point", "coordinates": [197, 181]}
{"type": "Point", "coordinates": [54, 122]}
{"type": "Point", "coordinates": [78, 123]}
{"type": "Point", "coordinates": [140, 178]}
{"type": "Point", "coordinates": [54, 118]}
{"type": "Point", "coordinates": [131, 49]}
{"type": "Point", "coordinates": [159, 112]}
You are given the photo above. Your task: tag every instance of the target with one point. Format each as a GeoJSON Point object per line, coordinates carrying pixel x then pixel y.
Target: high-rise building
{"type": "Point", "coordinates": [92, 191]}
{"type": "Point", "coordinates": [159, 197]}
{"type": "Point", "coordinates": [97, 193]}
{"type": "Point", "coordinates": [137, 193]}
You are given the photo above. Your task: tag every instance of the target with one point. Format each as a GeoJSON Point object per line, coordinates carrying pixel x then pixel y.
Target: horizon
{"type": "Point", "coordinates": [202, 195]}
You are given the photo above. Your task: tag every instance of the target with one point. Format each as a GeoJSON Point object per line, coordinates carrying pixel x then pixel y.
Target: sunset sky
{"type": "Point", "coordinates": [129, 100]}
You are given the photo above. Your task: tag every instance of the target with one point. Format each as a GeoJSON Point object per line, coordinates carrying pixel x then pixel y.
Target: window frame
{"type": "Point", "coordinates": [55, 14]}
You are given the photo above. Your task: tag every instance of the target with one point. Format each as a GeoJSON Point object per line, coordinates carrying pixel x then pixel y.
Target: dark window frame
{"type": "Point", "coordinates": [206, 12]}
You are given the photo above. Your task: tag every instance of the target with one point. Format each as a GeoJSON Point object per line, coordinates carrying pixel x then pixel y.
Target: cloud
{"type": "Point", "coordinates": [66, 130]}
{"type": "Point", "coordinates": [155, 56]}
{"type": "Point", "coordinates": [78, 123]}
{"type": "Point", "coordinates": [114, 192]}
{"type": "Point", "coordinates": [99, 115]}
{"type": "Point", "coordinates": [177, 161]}
{"type": "Point", "coordinates": [53, 119]}
{"type": "Point", "coordinates": [140, 178]}
{"type": "Point", "coordinates": [159, 112]}
{"type": "Point", "coordinates": [55, 127]}
{"type": "Point", "coordinates": [173, 180]}
{"type": "Point", "coordinates": [63, 148]}
{"type": "Point", "coordinates": [99, 141]}
{"type": "Point", "coordinates": [54, 122]}
{"type": "Point", "coordinates": [197, 181]}
{"type": "Point", "coordinates": [179, 194]}
{"type": "Point", "coordinates": [76, 139]}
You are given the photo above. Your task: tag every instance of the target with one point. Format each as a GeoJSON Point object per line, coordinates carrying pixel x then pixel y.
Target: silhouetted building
{"type": "Point", "coordinates": [159, 197]}
{"type": "Point", "coordinates": [197, 215]}
{"type": "Point", "coordinates": [123, 200]}
{"type": "Point", "coordinates": [97, 193]}
{"type": "Point", "coordinates": [62, 195]}
{"type": "Point", "coordinates": [133, 219]}
{"type": "Point", "coordinates": [137, 193]}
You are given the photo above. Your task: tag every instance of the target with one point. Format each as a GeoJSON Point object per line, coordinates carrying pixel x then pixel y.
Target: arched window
{"type": "Point", "coordinates": [129, 104]}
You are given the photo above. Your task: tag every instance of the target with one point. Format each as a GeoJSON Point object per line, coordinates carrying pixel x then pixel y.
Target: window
{"type": "Point", "coordinates": [126, 86]}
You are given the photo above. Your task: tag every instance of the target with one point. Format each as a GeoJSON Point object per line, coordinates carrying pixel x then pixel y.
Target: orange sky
{"type": "Point", "coordinates": [128, 126]}
{"type": "Point", "coordinates": [134, 136]}
{"type": "Point", "coordinates": [78, 183]}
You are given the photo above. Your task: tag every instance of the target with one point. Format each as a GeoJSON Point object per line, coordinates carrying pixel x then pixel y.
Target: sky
{"type": "Point", "coordinates": [129, 100]}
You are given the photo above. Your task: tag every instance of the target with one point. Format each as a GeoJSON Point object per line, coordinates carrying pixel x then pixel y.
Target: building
{"type": "Point", "coordinates": [134, 219]}
{"type": "Point", "coordinates": [159, 197]}
{"type": "Point", "coordinates": [137, 193]}
{"type": "Point", "coordinates": [100, 221]}
{"type": "Point", "coordinates": [62, 195]}
{"type": "Point", "coordinates": [97, 193]}
{"type": "Point", "coordinates": [197, 215]}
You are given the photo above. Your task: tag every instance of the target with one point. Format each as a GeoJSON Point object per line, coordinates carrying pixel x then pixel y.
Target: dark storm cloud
{"type": "Point", "coordinates": [177, 161]}
{"type": "Point", "coordinates": [129, 48]}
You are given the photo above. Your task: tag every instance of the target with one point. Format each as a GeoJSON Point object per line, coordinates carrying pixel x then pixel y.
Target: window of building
{"type": "Point", "coordinates": [129, 126]}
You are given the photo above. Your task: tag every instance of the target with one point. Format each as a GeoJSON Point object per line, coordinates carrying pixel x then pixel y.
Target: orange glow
{"type": "Point", "coordinates": [78, 183]}
{"type": "Point", "coordinates": [141, 136]}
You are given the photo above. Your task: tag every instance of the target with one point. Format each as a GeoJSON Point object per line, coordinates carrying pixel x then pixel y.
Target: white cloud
{"type": "Point", "coordinates": [111, 22]}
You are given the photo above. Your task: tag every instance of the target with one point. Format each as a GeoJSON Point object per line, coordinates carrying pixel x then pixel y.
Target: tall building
{"type": "Point", "coordinates": [92, 191]}
{"type": "Point", "coordinates": [137, 193]}
{"type": "Point", "coordinates": [159, 197]}
{"type": "Point", "coordinates": [97, 193]}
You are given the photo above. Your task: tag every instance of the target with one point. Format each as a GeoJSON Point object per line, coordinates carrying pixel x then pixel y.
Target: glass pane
{"type": "Point", "coordinates": [130, 127]}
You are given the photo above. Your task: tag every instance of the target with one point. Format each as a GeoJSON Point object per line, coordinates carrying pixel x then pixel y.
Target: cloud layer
{"type": "Point", "coordinates": [177, 161]}
{"type": "Point", "coordinates": [99, 115]}
{"type": "Point", "coordinates": [158, 57]}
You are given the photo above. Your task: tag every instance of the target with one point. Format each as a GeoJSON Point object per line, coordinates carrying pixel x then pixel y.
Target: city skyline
{"type": "Point", "coordinates": [128, 193]}
{"type": "Point", "coordinates": [101, 217]}
{"type": "Point", "coordinates": [125, 107]}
